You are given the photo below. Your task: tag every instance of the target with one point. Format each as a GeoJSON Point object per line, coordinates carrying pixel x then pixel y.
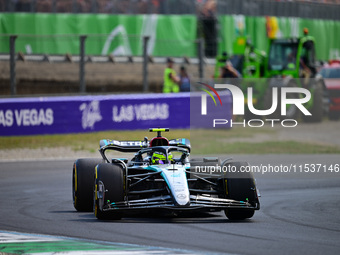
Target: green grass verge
{"type": "Point", "coordinates": [82, 141]}
{"type": "Point", "coordinates": [203, 141]}
{"type": "Point", "coordinates": [272, 147]}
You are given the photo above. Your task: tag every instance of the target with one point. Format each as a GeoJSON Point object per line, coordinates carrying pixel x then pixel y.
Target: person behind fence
{"type": "Point", "coordinates": [228, 71]}
{"type": "Point", "coordinates": [171, 81]}
{"type": "Point", "coordinates": [184, 80]}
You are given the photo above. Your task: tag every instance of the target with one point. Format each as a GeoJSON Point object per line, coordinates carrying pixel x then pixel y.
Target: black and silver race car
{"type": "Point", "coordinates": [160, 176]}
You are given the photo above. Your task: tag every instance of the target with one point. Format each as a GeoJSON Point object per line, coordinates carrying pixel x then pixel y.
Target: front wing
{"type": "Point", "coordinates": [197, 202]}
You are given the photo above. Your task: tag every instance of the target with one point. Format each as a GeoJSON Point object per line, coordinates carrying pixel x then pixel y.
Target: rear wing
{"type": "Point", "coordinates": [181, 142]}
{"type": "Point", "coordinates": [123, 146]}
{"type": "Point", "coordinates": [135, 146]}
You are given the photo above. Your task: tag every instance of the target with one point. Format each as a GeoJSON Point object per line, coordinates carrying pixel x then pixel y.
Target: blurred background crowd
{"type": "Point", "coordinates": [203, 7]}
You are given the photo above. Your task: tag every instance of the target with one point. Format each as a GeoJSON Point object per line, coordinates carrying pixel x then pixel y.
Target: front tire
{"type": "Point", "coordinates": [82, 183]}
{"type": "Point", "coordinates": [240, 186]}
{"type": "Point", "coordinates": [108, 189]}
{"type": "Point", "coordinates": [239, 214]}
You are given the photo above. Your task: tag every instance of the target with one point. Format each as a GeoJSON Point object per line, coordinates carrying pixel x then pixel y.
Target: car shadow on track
{"type": "Point", "coordinates": [63, 211]}
{"type": "Point", "coordinates": [183, 218]}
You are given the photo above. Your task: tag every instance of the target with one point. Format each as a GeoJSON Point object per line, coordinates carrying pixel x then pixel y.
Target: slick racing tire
{"type": "Point", "coordinates": [239, 214]}
{"type": "Point", "coordinates": [82, 183]}
{"type": "Point", "coordinates": [240, 187]}
{"type": "Point", "coordinates": [108, 188]}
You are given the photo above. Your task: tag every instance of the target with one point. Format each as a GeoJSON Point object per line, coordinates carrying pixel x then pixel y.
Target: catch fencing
{"type": "Point", "coordinates": [292, 8]}
{"type": "Point", "coordinates": [82, 65]}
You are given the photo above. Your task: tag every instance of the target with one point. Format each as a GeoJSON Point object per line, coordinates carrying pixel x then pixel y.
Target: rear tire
{"type": "Point", "coordinates": [82, 183]}
{"type": "Point", "coordinates": [240, 187]}
{"type": "Point", "coordinates": [111, 177]}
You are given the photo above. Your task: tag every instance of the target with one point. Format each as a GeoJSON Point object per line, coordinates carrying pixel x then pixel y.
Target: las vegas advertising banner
{"type": "Point", "coordinates": [58, 115]}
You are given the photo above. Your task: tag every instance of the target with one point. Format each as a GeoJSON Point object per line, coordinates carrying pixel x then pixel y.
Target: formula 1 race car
{"type": "Point", "coordinates": [160, 176]}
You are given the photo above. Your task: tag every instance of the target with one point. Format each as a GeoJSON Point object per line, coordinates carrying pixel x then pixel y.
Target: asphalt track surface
{"type": "Point", "coordinates": [299, 212]}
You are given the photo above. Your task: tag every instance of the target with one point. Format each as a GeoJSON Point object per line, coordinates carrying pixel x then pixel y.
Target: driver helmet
{"type": "Point", "coordinates": [159, 158]}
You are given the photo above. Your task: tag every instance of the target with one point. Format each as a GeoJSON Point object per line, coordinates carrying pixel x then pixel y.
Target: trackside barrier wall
{"type": "Point", "coordinates": [170, 35]}
{"type": "Point", "coordinates": [74, 114]}
{"type": "Point", "coordinates": [120, 35]}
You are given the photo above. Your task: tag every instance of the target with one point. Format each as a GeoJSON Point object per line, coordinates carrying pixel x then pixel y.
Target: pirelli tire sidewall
{"type": "Point", "coordinates": [82, 183]}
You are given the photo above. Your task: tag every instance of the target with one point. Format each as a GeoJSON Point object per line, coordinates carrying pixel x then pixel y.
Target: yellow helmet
{"type": "Point", "coordinates": [159, 158]}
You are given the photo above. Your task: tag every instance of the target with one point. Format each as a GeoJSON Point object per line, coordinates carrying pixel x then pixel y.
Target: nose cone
{"type": "Point", "coordinates": [176, 179]}
{"type": "Point", "coordinates": [182, 200]}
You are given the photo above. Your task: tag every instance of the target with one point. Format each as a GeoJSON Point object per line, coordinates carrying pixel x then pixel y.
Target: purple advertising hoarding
{"type": "Point", "coordinates": [215, 110]}
{"type": "Point", "coordinates": [74, 114]}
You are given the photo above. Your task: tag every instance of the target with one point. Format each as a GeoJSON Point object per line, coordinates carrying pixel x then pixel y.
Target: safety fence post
{"type": "Point", "coordinates": [12, 39]}
{"type": "Point", "coordinates": [82, 64]}
{"type": "Point", "coordinates": [145, 64]}
{"type": "Point", "coordinates": [200, 57]}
